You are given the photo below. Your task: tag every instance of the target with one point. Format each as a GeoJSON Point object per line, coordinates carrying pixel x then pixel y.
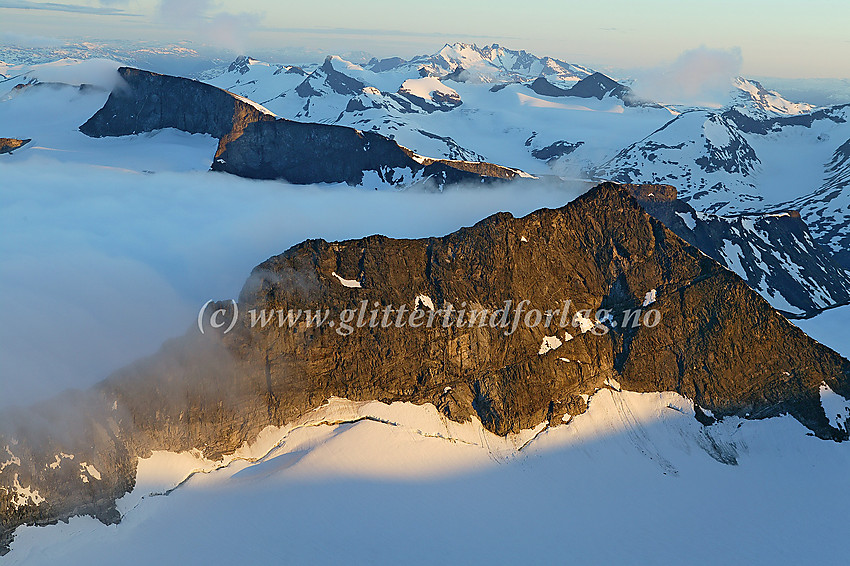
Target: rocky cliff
{"type": "Point", "coordinates": [714, 340]}
{"type": "Point", "coordinates": [254, 143]}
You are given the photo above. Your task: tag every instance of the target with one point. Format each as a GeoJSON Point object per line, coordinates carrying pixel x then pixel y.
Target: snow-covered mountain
{"type": "Point", "coordinates": [828, 207]}
{"type": "Point", "coordinates": [479, 92]}
{"type": "Point", "coordinates": [466, 62]}
{"type": "Point", "coordinates": [773, 252]}
{"type": "Point", "coordinates": [426, 105]}
{"type": "Point", "coordinates": [729, 162]}
{"type": "Point", "coordinates": [751, 96]}
{"type": "Point", "coordinates": [758, 155]}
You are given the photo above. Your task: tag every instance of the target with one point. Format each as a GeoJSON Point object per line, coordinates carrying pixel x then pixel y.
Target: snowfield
{"type": "Point", "coordinates": [830, 328]}
{"type": "Point", "coordinates": [635, 480]}
{"type": "Point", "coordinates": [426, 89]}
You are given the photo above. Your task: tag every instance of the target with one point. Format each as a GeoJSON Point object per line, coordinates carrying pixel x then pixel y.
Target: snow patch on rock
{"type": "Point", "coordinates": [549, 343]}
{"type": "Point", "coordinates": [351, 283]}
{"type": "Point", "coordinates": [836, 407]}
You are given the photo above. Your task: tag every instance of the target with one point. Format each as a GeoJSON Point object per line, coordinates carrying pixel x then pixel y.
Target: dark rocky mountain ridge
{"type": "Point", "coordinates": [596, 86]}
{"type": "Point", "coordinates": [717, 343]}
{"type": "Point", "coordinates": [256, 144]}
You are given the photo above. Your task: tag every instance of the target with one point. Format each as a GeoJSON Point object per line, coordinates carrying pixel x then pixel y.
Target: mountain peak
{"type": "Point", "coordinates": [596, 85]}
{"type": "Point", "coordinates": [757, 101]}
{"type": "Point", "coordinates": [601, 251]}
{"type": "Point", "coordinates": [242, 64]}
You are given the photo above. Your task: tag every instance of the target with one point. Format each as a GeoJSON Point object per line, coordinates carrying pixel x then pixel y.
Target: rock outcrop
{"type": "Point", "coordinates": [709, 337]}
{"type": "Point", "coordinates": [254, 143]}
{"type": "Point", "coordinates": [596, 86]}
{"type": "Point", "coordinates": [8, 145]}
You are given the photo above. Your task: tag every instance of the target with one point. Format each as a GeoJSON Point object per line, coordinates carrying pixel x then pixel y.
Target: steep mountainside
{"type": "Point", "coordinates": [254, 143]}
{"type": "Point", "coordinates": [829, 205]}
{"type": "Point", "coordinates": [774, 253]}
{"type": "Point", "coordinates": [710, 338]}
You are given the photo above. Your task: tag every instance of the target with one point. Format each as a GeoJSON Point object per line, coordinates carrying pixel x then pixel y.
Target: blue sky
{"type": "Point", "coordinates": [778, 38]}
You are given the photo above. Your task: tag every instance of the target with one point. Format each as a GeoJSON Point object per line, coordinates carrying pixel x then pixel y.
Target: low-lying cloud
{"type": "Point", "coordinates": [98, 266]}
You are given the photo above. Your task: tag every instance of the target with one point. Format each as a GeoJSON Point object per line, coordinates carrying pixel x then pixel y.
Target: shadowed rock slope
{"type": "Point", "coordinates": [596, 86]}
{"type": "Point", "coordinates": [255, 143]}
{"type": "Point", "coordinates": [717, 342]}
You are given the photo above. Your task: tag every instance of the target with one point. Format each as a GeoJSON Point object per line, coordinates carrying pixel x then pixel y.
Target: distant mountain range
{"type": "Point", "coordinates": [760, 154]}
{"type": "Point", "coordinates": [469, 113]}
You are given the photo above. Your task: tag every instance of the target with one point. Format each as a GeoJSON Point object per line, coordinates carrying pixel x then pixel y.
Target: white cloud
{"type": "Point", "coordinates": [700, 76]}
{"type": "Point", "coordinates": [212, 24]}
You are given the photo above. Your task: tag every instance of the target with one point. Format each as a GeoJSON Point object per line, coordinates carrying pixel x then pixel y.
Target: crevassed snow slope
{"type": "Point", "coordinates": [634, 480]}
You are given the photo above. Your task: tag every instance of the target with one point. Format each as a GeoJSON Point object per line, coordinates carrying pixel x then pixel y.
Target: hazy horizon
{"type": "Point", "coordinates": [777, 39]}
